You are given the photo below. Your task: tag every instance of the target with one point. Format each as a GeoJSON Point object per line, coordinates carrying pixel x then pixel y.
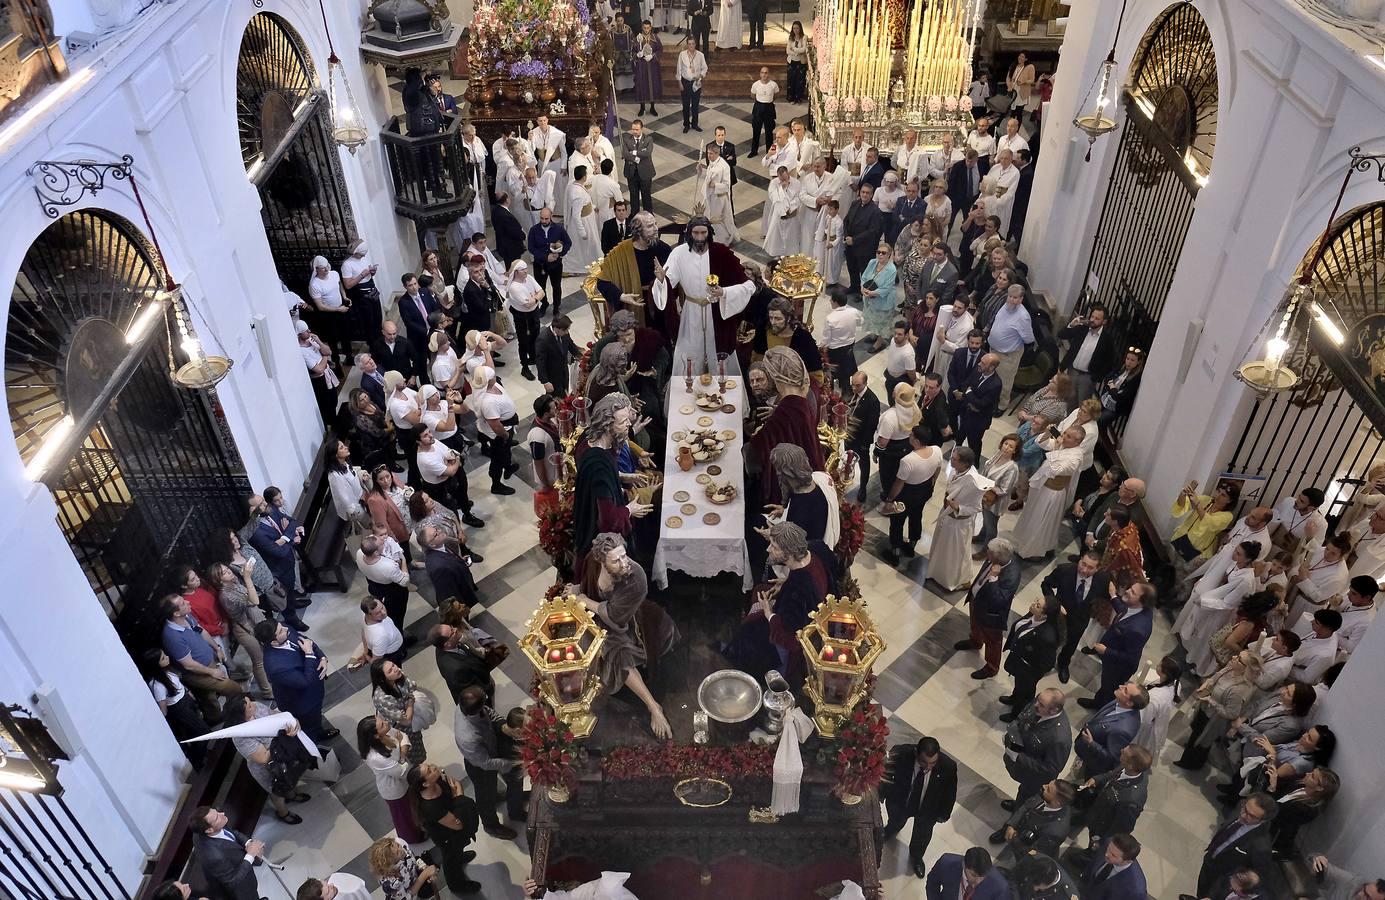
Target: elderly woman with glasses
{"type": "Point", "coordinates": [878, 289]}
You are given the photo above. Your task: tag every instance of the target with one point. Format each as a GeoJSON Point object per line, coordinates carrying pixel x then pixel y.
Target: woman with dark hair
{"type": "Point", "coordinates": [387, 500]}
{"type": "Point", "coordinates": [238, 599]}
{"type": "Point", "coordinates": [393, 695]}
{"type": "Point", "coordinates": [1164, 696]}
{"type": "Point", "coordinates": [1250, 620]}
{"type": "Point", "coordinates": [450, 818]}
{"type": "Point", "coordinates": [175, 702]}
{"type": "Point", "coordinates": [385, 751]}
{"type": "Point", "coordinates": [796, 48]}
{"type": "Point", "coordinates": [1118, 389]}
{"type": "Point", "coordinates": [1277, 720]}
{"type": "Point", "coordinates": [346, 482]}
{"type": "Point", "coordinates": [256, 753]}
{"type": "Point", "coordinates": [373, 431]}
{"type": "Point", "coordinates": [224, 546]}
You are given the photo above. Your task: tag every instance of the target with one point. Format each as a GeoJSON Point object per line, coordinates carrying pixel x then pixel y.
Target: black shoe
{"type": "Point", "coordinates": [499, 487]}
{"type": "Point", "coordinates": [475, 557]}
{"type": "Point", "coordinates": [890, 556]}
{"type": "Point", "coordinates": [685, 129]}
{"type": "Point", "coordinates": [289, 818]}
{"type": "Point", "coordinates": [1063, 674]}
{"type": "Point", "coordinates": [1187, 764]}
{"type": "Point", "coordinates": [652, 110]}
{"type": "Point", "coordinates": [1008, 805]}
{"type": "Point", "coordinates": [908, 551]}
{"type": "Point", "coordinates": [296, 624]}
{"type": "Point", "coordinates": [466, 887]}
{"type": "Point", "coordinates": [919, 871]}
{"type": "Point", "coordinates": [997, 837]}
{"type": "Point", "coordinates": [641, 112]}
{"type": "Point", "coordinates": [982, 674]}
{"type": "Point", "coordinates": [526, 374]}
{"type": "Point", "coordinates": [504, 832]}
{"type": "Point", "coordinates": [469, 519]}
{"type": "Point", "coordinates": [332, 733]}
{"type": "Point", "coordinates": [1008, 717]}
{"type": "Point", "coordinates": [964, 645]}
{"type": "Point", "coordinates": [1088, 703]}
{"type": "Point", "coordinates": [1007, 699]}
{"type": "Point", "coordinates": [697, 128]}
{"type": "Point", "coordinates": [499, 363]}
{"type": "Point", "coordinates": [1074, 557]}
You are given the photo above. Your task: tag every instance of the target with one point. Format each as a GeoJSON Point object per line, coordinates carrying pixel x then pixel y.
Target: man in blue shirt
{"type": "Point", "coordinates": [200, 662]}
{"type": "Point", "coordinates": [1011, 331]}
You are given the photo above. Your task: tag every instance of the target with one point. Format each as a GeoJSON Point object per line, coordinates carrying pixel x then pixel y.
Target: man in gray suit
{"type": "Point", "coordinates": [939, 275]}
{"type": "Point", "coordinates": [637, 149]}
{"type": "Point", "coordinates": [228, 858]}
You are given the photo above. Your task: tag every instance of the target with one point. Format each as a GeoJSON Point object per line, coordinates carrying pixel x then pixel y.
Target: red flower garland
{"type": "Point", "coordinates": [689, 760]}
{"type": "Point", "coordinates": [555, 530]}
{"type": "Point", "coordinates": [549, 748]}
{"type": "Point", "coordinates": [861, 750]}
{"type": "Point", "coordinates": [853, 532]}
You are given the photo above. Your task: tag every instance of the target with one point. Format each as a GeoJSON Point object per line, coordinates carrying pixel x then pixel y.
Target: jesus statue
{"type": "Point", "coordinates": [715, 291]}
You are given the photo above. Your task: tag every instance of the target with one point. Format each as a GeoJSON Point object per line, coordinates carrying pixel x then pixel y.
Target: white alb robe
{"type": "Point", "coordinates": [580, 160]}
{"type": "Point", "coordinates": [605, 191]}
{"type": "Point", "coordinates": [949, 559]}
{"type": "Point", "coordinates": [998, 193]}
{"type": "Point", "coordinates": [828, 247]}
{"type": "Point", "coordinates": [584, 229]}
{"type": "Point", "coordinates": [689, 270]}
{"type": "Point", "coordinates": [810, 188]}
{"type": "Point", "coordinates": [716, 188]}
{"type": "Point", "coordinates": [1207, 611]}
{"type": "Point", "coordinates": [784, 235]}
{"type": "Point", "coordinates": [1036, 532]}
{"type": "Point", "coordinates": [729, 25]}
{"type": "Point", "coordinates": [550, 152]}
{"type": "Point", "coordinates": [475, 219]}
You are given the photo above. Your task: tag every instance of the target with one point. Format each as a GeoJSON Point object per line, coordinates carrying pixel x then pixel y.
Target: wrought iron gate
{"type": "Point", "coordinates": [156, 474]}
{"type": "Point", "coordinates": [286, 145]}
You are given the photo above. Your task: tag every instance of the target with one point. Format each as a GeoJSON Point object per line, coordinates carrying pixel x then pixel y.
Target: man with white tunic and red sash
{"type": "Point", "coordinates": [706, 319]}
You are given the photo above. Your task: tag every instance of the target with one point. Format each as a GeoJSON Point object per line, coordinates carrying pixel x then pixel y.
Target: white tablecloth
{"type": "Point", "coordinates": [698, 549]}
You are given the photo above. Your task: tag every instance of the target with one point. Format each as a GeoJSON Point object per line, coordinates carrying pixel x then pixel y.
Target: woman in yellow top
{"type": "Point", "coordinates": [1204, 518]}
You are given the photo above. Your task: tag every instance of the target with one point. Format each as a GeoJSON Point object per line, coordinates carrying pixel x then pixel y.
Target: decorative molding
{"type": "Point", "coordinates": [62, 183]}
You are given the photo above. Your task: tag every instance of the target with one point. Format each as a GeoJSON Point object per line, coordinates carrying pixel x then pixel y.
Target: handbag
{"type": "Point", "coordinates": [503, 324]}
{"type": "Point", "coordinates": [870, 285]}
{"type": "Point", "coordinates": [425, 710]}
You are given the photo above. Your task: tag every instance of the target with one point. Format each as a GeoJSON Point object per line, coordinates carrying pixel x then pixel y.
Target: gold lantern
{"type": "Point", "coordinates": [563, 642]}
{"type": "Point", "coordinates": [797, 278]}
{"type": "Point", "coordinates": [840, 645]}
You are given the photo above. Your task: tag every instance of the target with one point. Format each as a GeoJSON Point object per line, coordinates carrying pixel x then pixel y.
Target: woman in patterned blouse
{"type": "Point", "coordinates": [394, 702]}
{"type": "Point", "coordinates": [402, 875]}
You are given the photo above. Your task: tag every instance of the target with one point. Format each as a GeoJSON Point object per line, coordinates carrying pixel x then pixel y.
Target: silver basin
{"type": "Point", "coordinates": [729, 695]}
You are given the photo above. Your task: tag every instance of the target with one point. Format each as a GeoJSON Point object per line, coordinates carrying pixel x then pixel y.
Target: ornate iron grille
{"type": "Point", "coordinates": [148, 483]}
{"type": "Point", "coordinates": [1175, 75]}
{"type": "Point", "coordinates": [274, 76]}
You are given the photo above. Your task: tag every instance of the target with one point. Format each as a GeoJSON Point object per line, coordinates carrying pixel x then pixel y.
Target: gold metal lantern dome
{"type": "Point", "coordinates": [563, 642]}
{"type": "Point", "coordinates": [840, 646]}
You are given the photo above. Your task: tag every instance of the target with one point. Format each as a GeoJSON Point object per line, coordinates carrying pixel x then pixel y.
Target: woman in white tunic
{"type": "Point", "coordinates": [949, 558]}
{"type": "Point", "coordinates": [729, 25]}
{"type": "Point", "coordinates": [1162, 684]}
{"type": "Point", "coordinates": [827, 243]}
{"type": "Point", "coordinates": [582, 226]}
{"type": "Point", "coordinates": [783, 233]}
{"type": "Point", "coordinates": [715, 195]}
{"type": "Point", "coordinates": [1214, 602]}
{"type": "Point", "coordinates": [1036, 532]}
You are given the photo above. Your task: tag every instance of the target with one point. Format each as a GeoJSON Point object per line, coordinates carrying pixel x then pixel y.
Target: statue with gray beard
{"type": "Point", "coordinates": [625, 275]}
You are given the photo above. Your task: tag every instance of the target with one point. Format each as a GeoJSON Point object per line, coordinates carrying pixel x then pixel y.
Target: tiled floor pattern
{"type": "Point", "coordinates": [923, 683]}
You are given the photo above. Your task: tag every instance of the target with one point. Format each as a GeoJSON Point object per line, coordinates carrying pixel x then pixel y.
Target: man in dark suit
{"type": "Point", "coordinates": [1037, 745]}
{"type": "Point", "coordinates": [553, 353]}
{"type": "Point", "coordinates": [963, 363]}
{"type": "Point", "coordinates": [447, 568]}
{"type": "Point", "coordinates": [461, 661]}
{"type": "Point", "coordinates": [637, 152]}
{"type": "Point", "coordinates": [480, 297]}
{"type": "Point", "coordinates": [924, 789]}
{"type": "Point", "coordinates": [1024, 160]}
{"type": "Point", "coordinates": [1121, 644]}
{"type": "Point", "coordinates": [726, 150]}
{"type": "Point", "coordinates": [1032, 647]}
{"type": "Point", "coordinates": [976, 401]}
{"type": "Point", "coordinates": [509, 234]}
{"type": "Point", "coordinates": [1039, 823]}
{"type": "Point", "coordinates": [1091, 350]}
{"type": "Point", "coordinates": [862, 227]}
{"type": "Point", "coordinates": [393, 353]}
{"type": "Point", "coordinates": [873, 169]}
{"type": "Point", "coordinates": [1110, 729]}
{"type": "Point", "coordinates": [297, 669]}
{"type": "Point", "coordinates": [372, 379]}
{"type": "Point", "coordinates": [1113, 873]}
{"type": "Point", "coordinates": [964, 185]}
{"type": "Point", "coordinates": [907, 209]}
{"type": "Point", "coordinates": [939, 275]}
{"type": "Point", "coordinates": [1243, 842]}
{"type": "Point", "coordinates": [618, 229]}
{"type": "Point", "coordinates": [863, 411]}
{"type": "Point", "coordinates": [228, 858]}
{"type": "Point", "coordinates": [414, 309]}
{"type": "Point", "coordinates": [756, 11]}
{"type": "Point", "coordinates": [548, 262]}
{"type": "Point", "coordinates": [446, 103]}
{"type": "Point", "coordinates": [699, 14]}
{"type": "Point", "coordinates": [953, 876]}
{"type": "Point", "coordinates": [991, 593]}
{"type": "Point", "coordinates": [936, 419]}
{"type": "Point", "coordinates": [1074, 585]}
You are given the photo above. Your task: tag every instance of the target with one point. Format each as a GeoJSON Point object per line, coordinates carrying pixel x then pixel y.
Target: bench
{"type": "Point", "coordinates": [324, 548]}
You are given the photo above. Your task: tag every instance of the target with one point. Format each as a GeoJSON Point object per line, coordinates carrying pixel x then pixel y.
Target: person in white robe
{"type": "Point", "coordinates": [955, 322]}
{"type": "Point", "coordinates": [582, 226]}
{"type": "Point", "coordinates": [1036, 532]}
{"type": "Point", "coordinates": [778, 155]}
{"type": "Point", "coordinates": [1086, 417]}
{"type": "Point", "coordinates": [540, 191]}
{"type": "Point", "coordinates": [475, 218]}
{"type": "Point", "coordinates": [908, 158]}
{"type": "Point", "coordinates": [714, 180]}
{"type": "Point", "coordinates": [1253, 526]}
{"type": "Point", "coordinates": [729, 25]}
{"type": "Point", "coordinates": [1368, 545]}
{"type": "Point", "coordinates": [813, 196]}
{"type": "Point", "coordinates": [805, 147]}
{"type": "Point", "coordinates": [939, 161]}
{"type": "Point", "coordinates": [998, 190]}
{"type": "Point", "coordinates": [581, 156]}
{"type": "Point", "coordinates": [949, 557]}
{"type": "Point", "coordinates": [550, 153]}
{"type": "Point", "coordinates": [890, 193]}
{"type": "Point", "coordinates": [606, 192]}
{"type": "Point", "coordinates": [601, 147]}
{"type": "Point", "coordinates": [688, 267]}
{"type": "Point", "coordinates": [782, 206]}
{"type": "Point", "coordinates": [828, 247]}
{"type": "Point", "coordinates": [980, 138]}
{"type": "Point", "coordinates": [853, 160]}
{"type": "Point", "coordinates": [1161, 683]}
{"type": "Point", "coordinates": [1301, 518]}
{"type": "Point", "coordinates": [1212, 605]}
{"type": "Point", "coordinates": [1320, 578]}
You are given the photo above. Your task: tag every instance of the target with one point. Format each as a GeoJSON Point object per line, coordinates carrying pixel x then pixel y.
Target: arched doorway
{"type": "Point", "coordinates": [1316, 434]}
{"type": "Point", "coordinates": [1164, 159]}
{"type": "Point", "coordinates": [286, 144]}
{"type": "Point", "coordinates": [142, 489]}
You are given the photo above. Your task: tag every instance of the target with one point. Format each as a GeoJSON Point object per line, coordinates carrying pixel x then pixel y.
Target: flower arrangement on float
{"type": "Point", "coordinates": [861, 752]}
{"type": "Point", "coordinates": [555, 532]}
{"type": "Point", "coordinates": [689, 760]}
{"type": "Point", "coordinates": [549, 752]}
{"type": "Point", "coordinates": [853, 533]}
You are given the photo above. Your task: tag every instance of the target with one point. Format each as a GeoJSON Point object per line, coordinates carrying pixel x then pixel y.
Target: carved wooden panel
{"type": "Point", "coordinates": [30, 56]}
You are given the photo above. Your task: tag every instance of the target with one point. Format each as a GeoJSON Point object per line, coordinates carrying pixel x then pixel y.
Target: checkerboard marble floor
{"type": "Point", "coordinates": [923, 683]}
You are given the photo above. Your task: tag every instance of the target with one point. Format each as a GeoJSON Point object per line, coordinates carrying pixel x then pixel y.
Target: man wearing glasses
{"type": "Point", "coordinates": [1242, 842]}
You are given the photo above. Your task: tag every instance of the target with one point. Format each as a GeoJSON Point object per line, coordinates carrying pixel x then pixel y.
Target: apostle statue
{"type": "Point", "coordinates": [599, 503]}
{"type": "Point", "coordinates": [626, 274]}
{"type": "Point", "coordinates": [648, 354]}
{"type": "Point", "coordinates": [638, 632]}
{"type": "Point", "coordinates": [793, 421]}
{"type": "Point", "coordinates": [715, 291]}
